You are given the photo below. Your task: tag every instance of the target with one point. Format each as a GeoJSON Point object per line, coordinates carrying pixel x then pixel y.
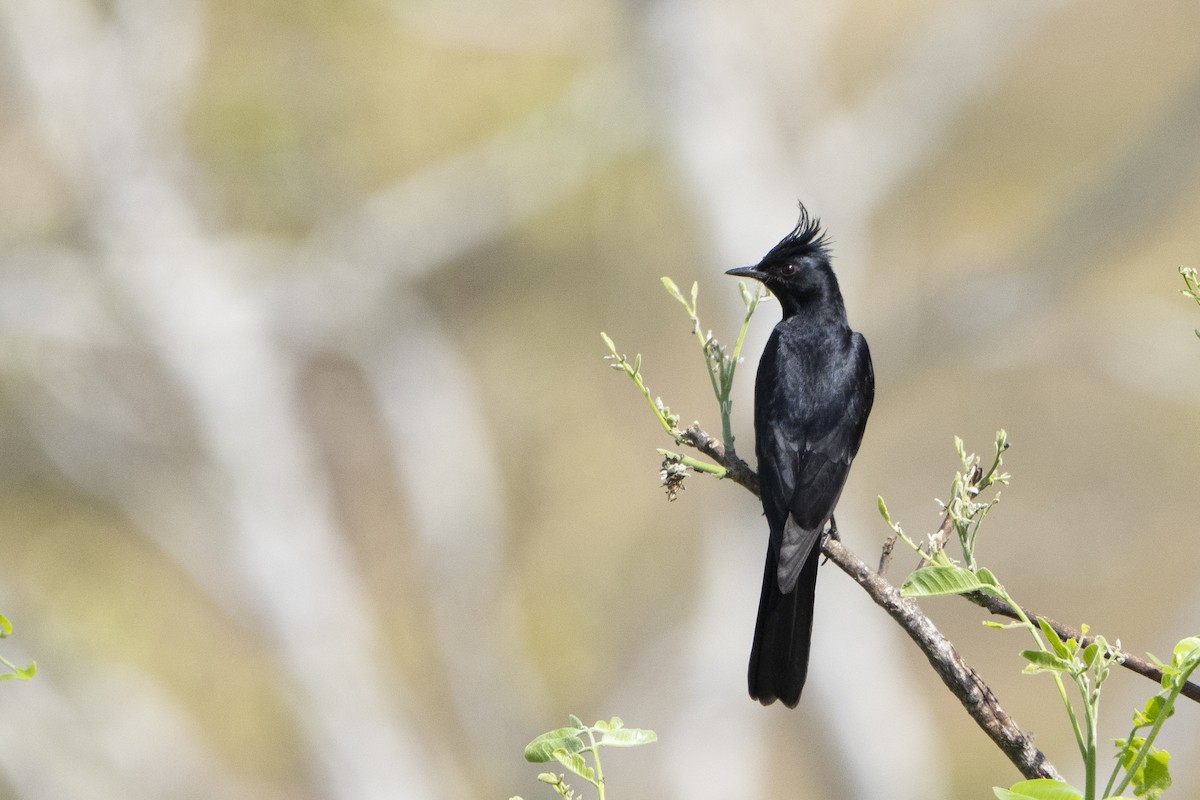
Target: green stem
{"type": "Point", "coordinates": [1112, 778]}
{"type": "Point", "coordinates": [599, 782]}
{"type": "Point", "coordinates": [694, 463]}
{"type": "Point", "coordinates": [635, 374]}
{"type": "Point", "coordinates": [1062, 690]}
{"type": "Point", "coordinates": [1091, 709]}
{"type": "Point", "coordinates": [1144, 751]}
{"type": "Point", "coordinates": [751, 301]}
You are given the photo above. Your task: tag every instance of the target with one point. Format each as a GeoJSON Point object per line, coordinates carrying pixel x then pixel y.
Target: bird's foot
{"type": "Point", "coordinates": [831, 532]}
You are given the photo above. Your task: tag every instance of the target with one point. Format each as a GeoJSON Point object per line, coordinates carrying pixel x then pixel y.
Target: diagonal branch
{"type": "Point", "coordinates": [960, 678]}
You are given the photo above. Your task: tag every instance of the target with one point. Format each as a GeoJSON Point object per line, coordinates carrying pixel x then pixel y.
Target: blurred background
{"type": "Point", "coordinates": [314, 483]}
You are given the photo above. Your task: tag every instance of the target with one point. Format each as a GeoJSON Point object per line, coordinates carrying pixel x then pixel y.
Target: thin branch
{"type": "Point", "coordinates": [737, 470]}
{"type": "Point", "coordinates": [1131, 662]}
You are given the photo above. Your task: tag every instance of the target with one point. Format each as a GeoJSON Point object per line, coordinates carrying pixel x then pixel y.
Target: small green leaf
{"type": "Point", "coordinates": [5, 626]}
{"type": "Point", "coordinates": [628, 737]}
{"type": "Point", "coordinates": [985, 576]}
{"type": "Point", "coordinates": [672, 288]}
{"type": "Point", "coordinates": [578, 723]}
{"type": "Point", "coordinates": [541, 749]}
{"type": "Point", "coordinates": [1188, 650]}
{"type": "Point", "coordinates": [1056, 642]}
{"type": "Point", "coordinates": [1089, 654]}
{"type": "Point", "coordinates": [1039, 789]}
{"type": "Point", "coordinates": [1149, 714]}
{"type": "Point", "coordinates": [883, 511]}
{"type": "Point", "coordinates": [1041, 660]}
{"type": "Point", "coordinates": [575, 763]}
{"type": "Point", "coordinates": [935, 581]}
{"type": "Point", "coordinates": [1154, 778]}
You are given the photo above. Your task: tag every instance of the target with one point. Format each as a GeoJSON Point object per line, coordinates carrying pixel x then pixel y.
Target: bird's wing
{"type": "Point", "coordinates": [822, 459]}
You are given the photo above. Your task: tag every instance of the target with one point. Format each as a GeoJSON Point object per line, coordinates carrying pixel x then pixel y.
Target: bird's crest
{"type": "Point", "coordinates": [806, 238]}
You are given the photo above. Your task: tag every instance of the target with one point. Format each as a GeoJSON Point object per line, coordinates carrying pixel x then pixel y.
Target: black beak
{"type": "Point", "coordinates": [747, 272]}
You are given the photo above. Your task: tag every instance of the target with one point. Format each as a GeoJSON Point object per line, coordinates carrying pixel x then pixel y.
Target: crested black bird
{"type": "Point", "coordinates": [813, 393]}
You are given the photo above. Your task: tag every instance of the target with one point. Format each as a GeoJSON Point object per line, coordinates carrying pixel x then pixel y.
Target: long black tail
{"type": "Point", "coordinates": [783, 634]}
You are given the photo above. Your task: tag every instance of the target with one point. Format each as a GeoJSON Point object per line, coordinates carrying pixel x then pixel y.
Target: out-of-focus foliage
{"type": "Point", "coordinates": [303, 415]}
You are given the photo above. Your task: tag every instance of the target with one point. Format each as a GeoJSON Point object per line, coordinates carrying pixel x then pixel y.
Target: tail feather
{"type": "Point", "coordinates": [783, 634]}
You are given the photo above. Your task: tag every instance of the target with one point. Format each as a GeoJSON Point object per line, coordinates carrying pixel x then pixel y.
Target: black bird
{"type": "Point", "coordinates": [814, 391]}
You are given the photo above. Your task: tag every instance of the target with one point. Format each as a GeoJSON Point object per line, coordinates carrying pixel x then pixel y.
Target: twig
{"type": "Point", "coordinates": [885, 555]}
{"type": "Point", "coordinates": [738, 470]}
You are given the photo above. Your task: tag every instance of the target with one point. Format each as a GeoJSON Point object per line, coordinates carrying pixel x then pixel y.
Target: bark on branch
{"type": "Point", "coordinates": [959, 677]}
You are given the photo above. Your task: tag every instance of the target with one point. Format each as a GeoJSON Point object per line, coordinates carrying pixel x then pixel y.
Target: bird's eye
{"type": "Point", "coordinates": [787, 270]}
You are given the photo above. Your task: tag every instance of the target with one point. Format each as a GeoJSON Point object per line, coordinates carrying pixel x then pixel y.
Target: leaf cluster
{"type": "Point", "coordinates": [1085, 662]}
{"type": "Point", "coordinates": [571, 745]}
{"type": "Point", "coordinates": [23, 673]}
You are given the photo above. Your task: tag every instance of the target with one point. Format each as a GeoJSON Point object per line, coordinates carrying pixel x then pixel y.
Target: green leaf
{"type": "Point", "coordinates": [883, 511]}
{"type": "Point", "coordinates": [542, 749]}
{"type": "Point", "coordinates": [577, 722]}
{"type": "Point", "coordinates": [937, 580]}
{"type": "Point", "coordinates": [575, 763]}
{"type": "Point", "coordinates": [1153, 778]}
{"type": "Point", "coordinates": [1186, 651]}
{"type": "Point", "coordinates": [627, 737]}
{"type": "Point", "coordinates": [1149, 714]}
{"type": "Point", "coordinates": [985, 576]}
{"type": "Point", "coordinates": [1039, 789]}
{"type": "Point", "coordinates": [670, 286]}
{"type": "Point", "coordinates": [5, 626]}
{"type": "Point", "coordinates": [1129, 749]}
{"type": "Point", "coordinates": [1056, 642]}
{"type": "Point", "coordinates": [1040, 660]}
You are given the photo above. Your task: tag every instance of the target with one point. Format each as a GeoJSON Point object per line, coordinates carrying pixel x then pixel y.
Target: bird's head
{"type": "Point", "coordinates": [797, 270]}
